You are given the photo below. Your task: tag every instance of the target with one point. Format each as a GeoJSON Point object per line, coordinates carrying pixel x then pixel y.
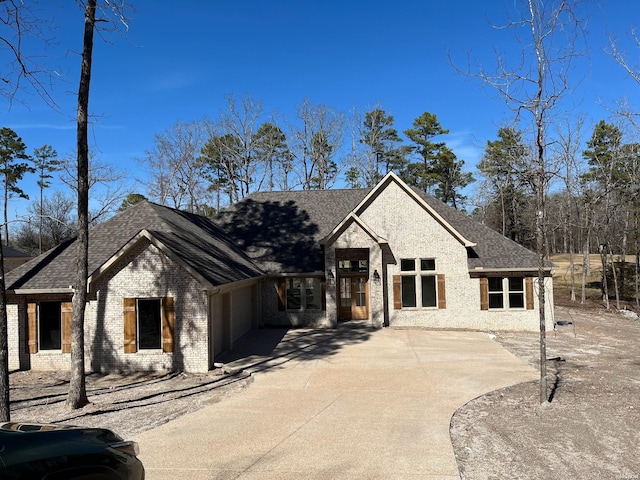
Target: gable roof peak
{"type": "Point", "coordinates": [391, 177]}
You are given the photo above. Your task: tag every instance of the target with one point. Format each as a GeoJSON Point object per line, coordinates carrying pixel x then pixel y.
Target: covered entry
{"type": "Point", "coordinates": [353, 283]}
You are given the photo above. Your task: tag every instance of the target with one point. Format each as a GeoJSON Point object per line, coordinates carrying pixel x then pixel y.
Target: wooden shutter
{"type": "Point", "coordinates": [397, 292]}
{"type": "Point", "coordinates": [168, 316]}
{"type": "Point", "coordinates": [323, 293]}
{"type": "Point", "coordinates": [442, 296]}
{"type": "Point", "coordinates": [282, 292]}
{"type": "Point", "coordinates": [32, 328]}
{"type": "Point", "coordinates": [66, 318]}
{"type": "Point", "coordinates": [528, 290]}
{"type": "Point", "coordinates": [130, 340]}
{"type": "Point", "coordinates": [484, 293]}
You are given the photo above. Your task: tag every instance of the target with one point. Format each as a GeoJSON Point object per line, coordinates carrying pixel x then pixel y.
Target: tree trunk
{"type": "Point", "coordinates": [5, 415]}
{"type": "Point", "coordinates": [636, 276]}
{"type": "Point", "coordinates": [5, 206]}
{"type": "Point", "coordinates": [625, 246]}
{"type": "Point", "coordinates": [615, 279]}
{"type": "Point", "coordinates": [77, 397]}
{"type": "Point", "coordinates": [605, 287]}
{"type": "Point", "coordinates": [572, 267]}
{"type": "Point", "coordinates": [540, 247]}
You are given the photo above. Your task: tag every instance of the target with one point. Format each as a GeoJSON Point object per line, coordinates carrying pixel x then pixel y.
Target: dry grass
{"type": "Point", "coordinates": [593, 285]}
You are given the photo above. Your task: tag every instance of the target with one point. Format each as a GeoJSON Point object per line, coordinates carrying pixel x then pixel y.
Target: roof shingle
{"type": "Point", "coordinates": [195, 240]}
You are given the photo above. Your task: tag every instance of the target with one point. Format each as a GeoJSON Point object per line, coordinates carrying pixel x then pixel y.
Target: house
{"type": "Point", "coordinates": [158, 279]}
{"type": "Point", "coordinates": [171, 290]}
{"type": "Point", "coordinates": [13, 257]}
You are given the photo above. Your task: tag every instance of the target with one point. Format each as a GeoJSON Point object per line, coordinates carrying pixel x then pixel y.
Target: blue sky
{"type": "Point", "coordinates": [179, 60]}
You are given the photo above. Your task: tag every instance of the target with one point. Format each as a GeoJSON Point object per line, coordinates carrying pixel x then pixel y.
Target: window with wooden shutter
{"type": "Point", "coordinates": [442, 296]}
{"type": "Point", "coordinates": [484, 293]}
{"type": "Point", "coordinates": [32, 328]}
{"type": "Point", "coordinates": [168, 317]}
{"type": "Point", "coordinates": [397, 292]}
{"type": "Point", "coordinates": [49, 316]}
{"type": "Point", "coordinates": [66, 309]}
{"type": "Point", "coordinates": [130, 343]}
{"type": "Point", "coordinates": [528, 285]}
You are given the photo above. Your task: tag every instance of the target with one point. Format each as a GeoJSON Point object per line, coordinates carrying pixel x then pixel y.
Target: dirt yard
{"type": "Point", "coordinates": [127, 404]}
{"type": "Point", "coordinates": [589, 430]}
{"type": "Point", "coordinates": [591, 427]}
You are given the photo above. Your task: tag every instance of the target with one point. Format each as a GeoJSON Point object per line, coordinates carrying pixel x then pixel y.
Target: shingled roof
{"type": "Point", "coordinates": [281, 230]}
{"type": "Point", "coordinates": [194, 241]}
{"type": "Point", "coordinates": [492, 251]}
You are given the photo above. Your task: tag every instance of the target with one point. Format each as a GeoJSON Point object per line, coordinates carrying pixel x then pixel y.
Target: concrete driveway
{"type": "Point", "coordinates": [351, 403]}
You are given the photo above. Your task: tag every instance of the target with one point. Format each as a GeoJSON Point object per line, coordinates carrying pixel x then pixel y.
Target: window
{"type": "Point", "coordinates": [353, 266]}
{"type": "Point", "coordinates": [516, 292]}
{"type": "Point", "coordinates": [313, 290]}
{"type": "Point", "coordinates": [408, 291]}
{"type": "Point", "coordinates": [506, 292]}
{"type": "Point", "coordinates": [421, 287]}
{"type": "Point", "coordinates": [294, 293]}
{"type": "Point", "coordinates": [427, 264]}
{"type": "Point", "coordinates": [429, 291]}
{"type": "Point", "coordinates": [300, 293]}
{"type": "Point", "coordinates": [496, 295]}
{"type": "Point", "coordinates": [50, 326]}
{"type": "Point", "coordinates": [148, 324]}
{"type": "Point", "coordinates": [407, 264]}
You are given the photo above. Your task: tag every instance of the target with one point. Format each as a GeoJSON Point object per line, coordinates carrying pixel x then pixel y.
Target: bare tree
{"type": "Point", "coordinates": [317, 140]}
{"type": "Point", "coordinates": [176, 175]}
{"type": "Point", "coordinates": [536, 85]}
{"type": "Point", "coordinates": [621, 58]}
{"type": "Point", "coordinates": [106, 185]}
{"type": "Point", "coordinates": [77, 396]}
{"type": "Point", "coordinates": [240, 121]}
{"type": "Point", "coordinates": [568, 151]}
{"type": "Point", "coordinates": [23, 70]}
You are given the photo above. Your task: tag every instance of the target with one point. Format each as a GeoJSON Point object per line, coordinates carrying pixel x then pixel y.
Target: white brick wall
{"type": "Point", "coordinates": [147, 272]}
{"type": "Point", "coordinates": [144, 272]}
{"type": "Point", "coordinates": [413, 233]}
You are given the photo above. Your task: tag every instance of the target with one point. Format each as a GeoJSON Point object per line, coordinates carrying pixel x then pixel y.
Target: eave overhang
{"type": "Point", "coordinates": [508, 271]}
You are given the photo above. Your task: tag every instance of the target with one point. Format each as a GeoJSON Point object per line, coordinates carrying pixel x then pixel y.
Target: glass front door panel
{"type": "Point", "coordinates": [345, 292]}
{"type": "Point", "coordinates": [361, 292]}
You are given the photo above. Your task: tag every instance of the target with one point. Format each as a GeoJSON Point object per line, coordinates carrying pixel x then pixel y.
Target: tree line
{"type": "Point", "coordinates": [592, 205]}
{"type": "Point", "coordinates": [205, 165]}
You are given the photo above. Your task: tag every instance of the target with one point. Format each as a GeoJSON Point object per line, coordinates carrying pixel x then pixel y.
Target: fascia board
{"type": "Point", "coordinates": [41, 291]}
